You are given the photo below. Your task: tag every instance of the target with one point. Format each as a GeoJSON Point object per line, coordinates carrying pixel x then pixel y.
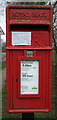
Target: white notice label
{"type": "Point", "coordinates": [29, 77]}
{"type": "Point", "coordinates": [21, 38]}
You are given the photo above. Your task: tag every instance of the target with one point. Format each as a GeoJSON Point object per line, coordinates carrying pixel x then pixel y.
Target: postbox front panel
{"type": "Point", "coordinates": [29, 58]}
{"type": "Point", "coordinates": [29, 87]}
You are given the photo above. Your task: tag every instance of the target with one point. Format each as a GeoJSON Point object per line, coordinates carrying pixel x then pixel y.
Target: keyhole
{"type": "Point", "coordinates": [16, 80]}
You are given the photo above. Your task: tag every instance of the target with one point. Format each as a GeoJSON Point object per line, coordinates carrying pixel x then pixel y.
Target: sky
{"type": "Point", "coordinates": [3, 14]}
{"type": "Point", "coordinates": [2, 18]}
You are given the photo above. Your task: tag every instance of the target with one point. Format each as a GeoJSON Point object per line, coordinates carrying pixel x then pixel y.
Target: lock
{"type": "Point", "coordinates": [30, 53]}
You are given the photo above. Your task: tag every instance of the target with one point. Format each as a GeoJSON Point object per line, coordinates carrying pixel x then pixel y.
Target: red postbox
{"type": "Point", "coordinates": [29, 58]}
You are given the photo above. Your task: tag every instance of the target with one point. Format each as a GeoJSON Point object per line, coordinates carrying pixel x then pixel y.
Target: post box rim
{"type": "Point", "coordinates": [29, 6]}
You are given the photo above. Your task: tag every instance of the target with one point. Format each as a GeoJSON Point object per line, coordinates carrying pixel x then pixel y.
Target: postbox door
{"type": "Point", "coordinates": [30, 99]}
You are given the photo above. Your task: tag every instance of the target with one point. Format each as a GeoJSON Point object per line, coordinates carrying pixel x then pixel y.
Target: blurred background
{"type": "Point", "coordinates": [3, 4]}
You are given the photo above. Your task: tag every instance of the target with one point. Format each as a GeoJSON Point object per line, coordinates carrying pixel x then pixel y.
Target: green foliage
{"type": "Point", "coordinates": [56, 49]}
{"type": "Point", "coordinates": [3, 64]}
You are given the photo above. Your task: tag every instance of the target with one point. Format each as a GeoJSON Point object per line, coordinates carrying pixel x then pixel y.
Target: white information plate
{"type": "Point", "coordinates": [21, 38]}
{"type": "Point", "coordinates": [29, 77]}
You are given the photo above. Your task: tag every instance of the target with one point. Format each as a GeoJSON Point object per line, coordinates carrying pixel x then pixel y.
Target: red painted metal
{"type": "Point", "coordinates": [37, 20]}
